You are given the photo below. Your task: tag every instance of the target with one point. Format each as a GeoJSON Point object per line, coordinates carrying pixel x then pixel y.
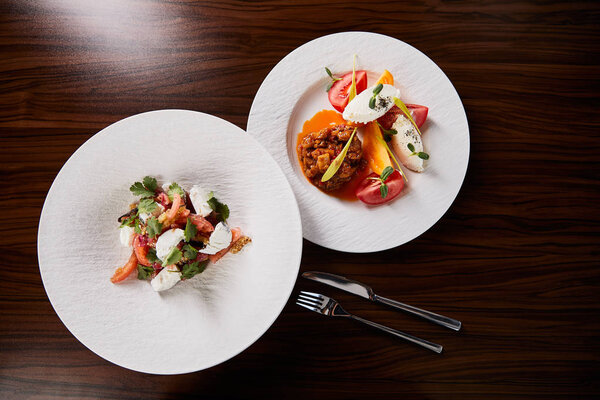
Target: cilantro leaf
{"type": "Point", "coordinates": [190, 230]}
{"type": "Point", "coordinates": [147, 205]}
{"type": "Point", "coordinates": [175, 188]}
{"type": "Point", "coordinates": [153, 227]}
{"type": "Point", "coordinates": [144, 272]}
{"type": "Point", "coordinates": [192, 269]}
{"type": "Point", "coordinates": [221, 209]}
{"type": "Point", "coordinates": [150, 183]}
{"type": "Point", "coordinates": [152, 257]}
{"type": "Point", "coordinates": [136, 228]}
{"type": "Point", "coordinates": [189, 252]}
{"type": "Point", "coordinates": [173, 257]}
{"type": "Point", "coordinates": [139, 190]}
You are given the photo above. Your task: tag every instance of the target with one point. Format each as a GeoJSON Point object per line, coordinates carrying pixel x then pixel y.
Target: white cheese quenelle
{"type": "Point", "coordinates": [220, 239]}
{"type": "Point", "coordinates": [407, 134]}
{"type": "Point", "coordinates": [166, 279]}
{"type": "Point", "coordinates": [168, 241]}
{"type": "Point", "coordinates": [199, 198]}
{"type": "Point", "coordinates": [126, 235]}
{"type": "Point", "coordinates": [358, 109]}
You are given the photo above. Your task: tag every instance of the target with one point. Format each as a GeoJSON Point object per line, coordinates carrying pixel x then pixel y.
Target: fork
{"type": "Point", "coordinates": [327, 306]}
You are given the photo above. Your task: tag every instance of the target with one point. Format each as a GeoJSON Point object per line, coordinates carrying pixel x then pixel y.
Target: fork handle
{"type": "Point", "coordinates": [421, 342]}
{"type": "Point", "coordinates": [428, 315]}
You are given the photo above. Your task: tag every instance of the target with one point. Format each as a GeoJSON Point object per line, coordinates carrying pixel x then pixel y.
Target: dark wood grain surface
{"type": "Point", "coordinates": [516, 258]}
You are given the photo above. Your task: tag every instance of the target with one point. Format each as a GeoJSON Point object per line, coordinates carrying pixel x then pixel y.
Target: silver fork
{"type": "Point", "coordinates": [327, 306]}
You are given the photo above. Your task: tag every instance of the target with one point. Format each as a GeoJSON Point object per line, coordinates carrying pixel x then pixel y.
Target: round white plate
{"type": "Point", "coordinates": [295, 90]}
{"type": "Point", "coordinates": [202, 321]}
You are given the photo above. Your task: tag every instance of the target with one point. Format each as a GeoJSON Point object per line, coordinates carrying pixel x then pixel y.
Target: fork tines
{"type": "Point", "coordinates": [311, 301]}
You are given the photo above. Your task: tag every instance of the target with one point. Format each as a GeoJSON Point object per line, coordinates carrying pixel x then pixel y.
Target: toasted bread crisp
{"type": "Point", "coordinates": [239, 244]}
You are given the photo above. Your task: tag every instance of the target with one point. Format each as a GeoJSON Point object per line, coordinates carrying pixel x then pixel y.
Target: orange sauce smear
{"type": "Point", "coordinates": [324, 119]}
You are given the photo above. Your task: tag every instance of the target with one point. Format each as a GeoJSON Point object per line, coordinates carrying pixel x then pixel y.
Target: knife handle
{"type": "Point", "coordinates": [429, 316]}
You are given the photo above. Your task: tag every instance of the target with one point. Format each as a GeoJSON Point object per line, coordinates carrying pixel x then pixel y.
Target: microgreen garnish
{"type": "Point", "coordinates": [189, 252]}
{"type": "Point", "coordinates": [153, 227]}
{"type": "Point", "coordinates": [152, 257]}
{"type": "Point", "coordinates": [387, 133]}
{"type": "Point", "coordinates": [333, 79]}
{"type": "Point", "coordinates": [383, 189]}
{"type": "Point", "coordinates": [337, 162]}
{"type": "Point", "coordinates": [173, 257]}
{"type": "Point", "coordinates": [393, 157]}
{"type": "Point", "coordinates": [144, 272]}
{"type": "Point", "coordinates": [147, 205]}
{"type": "Point", "coordinates": [373, 100]}
{"type": "Point", "coordinates": [422, 155]}
{"type": "Point", "coordinates": [175, 188]}
{"type": "Point", "coordinates": [145, 189]}
{"type": "Point", "coordinates": [192, 269]}
{"type": "Point", "coordinates": [404, 109]}
{"type": "Point", "coordinates": [190, 230]}
{"type": "Point", "coordinates": [352, 91]}
{"type": "Point", "coordinates": [221, 209]}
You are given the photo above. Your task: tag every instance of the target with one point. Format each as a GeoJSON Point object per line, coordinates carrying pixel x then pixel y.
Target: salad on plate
{"type": "Point", "coordinates": [335, 159]}
{"type": "Point", "coordinates": [174, 234]}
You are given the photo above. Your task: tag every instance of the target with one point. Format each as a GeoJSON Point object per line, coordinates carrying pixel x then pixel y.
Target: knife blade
{"type": "Point", "coordinates": [366, 292]}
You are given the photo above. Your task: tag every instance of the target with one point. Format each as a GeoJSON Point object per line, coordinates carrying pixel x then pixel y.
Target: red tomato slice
{"type": "Point", "coordinates": [124, 271]}
{"type": "Point", "coordinates": [141, 251]}
{"type": "Point", "coordinates": [417, 112]}
{"type": "Point", "coordinates": [338, 94]}
{"type": "Point", "coordinates": [369, 193]}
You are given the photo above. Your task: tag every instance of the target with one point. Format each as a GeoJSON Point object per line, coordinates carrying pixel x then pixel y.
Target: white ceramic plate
{"type": "Point", "coordinates": [295, 90]}
{"type": "Point", "coordinates": [202, 321]}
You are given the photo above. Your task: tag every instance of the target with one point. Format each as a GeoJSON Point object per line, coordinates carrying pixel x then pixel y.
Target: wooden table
{"type": "Point", "coordinates": [516, 258]}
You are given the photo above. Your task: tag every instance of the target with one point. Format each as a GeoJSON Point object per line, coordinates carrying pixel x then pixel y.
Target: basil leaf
{"type": "Point", "coordinates": [138, 189]}
{"type": "Point", "coordinates": [144, 272]}
{"type": "Point", "coordinates": [147, 205]}
{"type": "Point", "coordinates": [190, 230]}
{"type": "Point", "coordinates": [387, 171]}
{"type": "Point", "coordinates": [221, 209]}
{"type": "Point", "coordinates": [189, 252]}
{"type": "Point", "coordinates": [173, 257]}
{"type": "Point", "coordinates": [150, 183]}
{"type": "Point", "coordinates": [423, 155]}
{"type": "Point", "coordinates": [153, 227]}
{"type": "Point", "coordinates": [175, 188]}
{"type": "Point", "coordinates": [411, 147]}
{"type": "Point", "coordinates": [152, 257]}
{"type": "Point", "coordinates": [383, 189]}
{"type": "Point", "coordinates": [192, 269]}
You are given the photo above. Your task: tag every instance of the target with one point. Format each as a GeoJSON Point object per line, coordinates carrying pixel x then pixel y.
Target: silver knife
{"type": "Point", "coordinates": [362, 290]}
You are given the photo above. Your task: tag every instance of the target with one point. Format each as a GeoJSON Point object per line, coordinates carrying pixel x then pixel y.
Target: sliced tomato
{"type": "Point", "coordinates": [202, 224]}
{"type": "Point", "coordinates": [417, 112]}
{"type": "Point", "coordinates": [369, 193]}
{"type": "Point", "coordinates": [124, 271]}
{"type": "Point", "coordinates": [141, 248]}
{"type": "Point", "coordinates": [338, 94]}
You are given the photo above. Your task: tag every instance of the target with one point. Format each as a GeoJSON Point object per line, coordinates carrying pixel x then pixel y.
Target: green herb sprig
{"type": "Point", "coordinates": [189, 252]}
{"type": "Point", "coordinates": [219, 208]}
{"type": "Point", "coordinates": [333, 79]}
{"type": "Point", "coordinates": [422, 155]}
{"type": "Point", "coordinates": [373, 100]}
{"type": "Point", "coordinates": [144, 272]}
{"type": "Point", "coordinates": [387, 133]}
{"type": "Point", "coordinates": [144, 189]}
{"type": "Point", "coordinates": [383, 189]}
{"type": "Point", "coordinates": [192, 269]}
{"type": "Point", "coordinates": [175, 188]}
{"type": "Point", "coordinates": [153, 227]}
{"type": "Point", "coordinates": [190, 230]}
{"type": "Point", "coordinates": [152, 257]}
{"type": "Point", "coordinates": [173, 257]}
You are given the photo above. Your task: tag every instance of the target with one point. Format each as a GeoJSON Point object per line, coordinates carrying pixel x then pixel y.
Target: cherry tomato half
{"type": "Point", "coordinates": [417, 112]}
{"type": "Point", "coordinates": [369, 193]}
{"type": "Point", "coordinates": [338, 94]}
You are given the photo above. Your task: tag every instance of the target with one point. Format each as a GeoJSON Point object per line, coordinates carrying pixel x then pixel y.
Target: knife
{"type": "Point", "coordinates": [364, 291]}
